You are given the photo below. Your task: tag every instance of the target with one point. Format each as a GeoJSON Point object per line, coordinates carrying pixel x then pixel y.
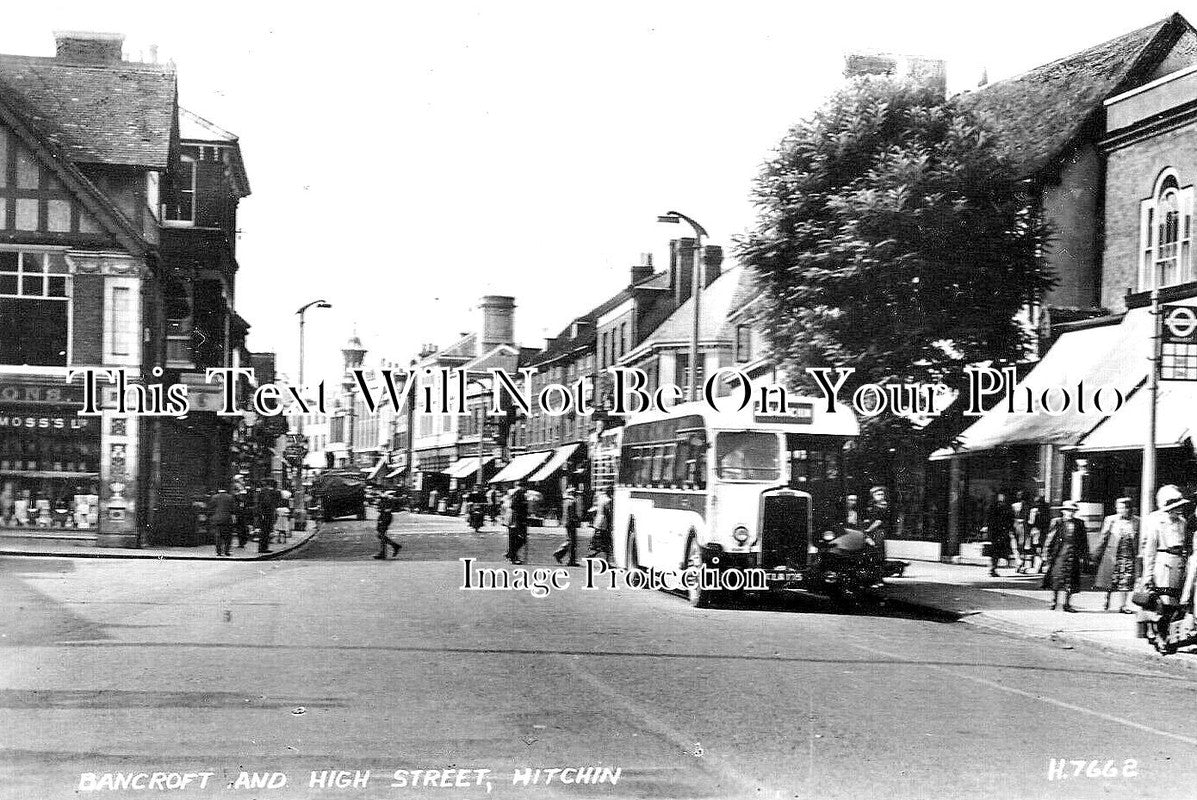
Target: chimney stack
{"type": "Point", "coordinates": [85, 47]}
{"type": "Point", "coordinates": [644, 270]}
{"type": "Point", "coordinates": [712, 263]}
{"type": "Point", "coordinates": [681, 269]}
{"type": "Point", "coordinates": [498, 322]}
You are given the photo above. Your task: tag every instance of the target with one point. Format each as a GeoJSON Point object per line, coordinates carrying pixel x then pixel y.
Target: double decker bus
{"type": "Point", "coordinates": [699, 487]}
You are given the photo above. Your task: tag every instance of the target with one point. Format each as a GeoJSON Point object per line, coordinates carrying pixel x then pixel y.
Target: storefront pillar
{"type": "Point", "coordinates": [119, 482]}
{"type": "Point", "coordinates": [956, 494]}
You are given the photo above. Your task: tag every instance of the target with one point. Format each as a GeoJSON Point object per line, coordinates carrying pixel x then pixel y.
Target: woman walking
{"type": "Point", "coordinates": [1115, 556]}
{"type": "Point", "coordinates": [1066, 554]}
{"type": "Point", "coordinates": [999, 529]}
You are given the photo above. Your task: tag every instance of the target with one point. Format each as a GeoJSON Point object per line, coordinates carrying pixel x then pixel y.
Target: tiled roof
{"type": "Point", "coordinates": [120, 113]}
{"type": "Point", "coordinates": [564, 344]}
{"type": "Point", "coordinates": [465, 347]}
{"type": "Point", "coordinates": [1037, 114]}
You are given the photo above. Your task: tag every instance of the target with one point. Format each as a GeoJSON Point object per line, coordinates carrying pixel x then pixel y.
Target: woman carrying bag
{"type": "Point", "coordinates": [1115, 556]}
{"type": "Point", "coordinates": [1066, 555]}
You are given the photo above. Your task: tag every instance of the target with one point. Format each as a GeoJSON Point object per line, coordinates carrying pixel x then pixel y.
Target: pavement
{"type": "Point", "coordinates": [66, 549]}
{"type": "Point", "coordinates": [1016, 605]}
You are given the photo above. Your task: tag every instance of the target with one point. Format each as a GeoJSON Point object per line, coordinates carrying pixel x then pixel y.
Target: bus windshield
{"type": "Point", "coordinates": [748, 456]}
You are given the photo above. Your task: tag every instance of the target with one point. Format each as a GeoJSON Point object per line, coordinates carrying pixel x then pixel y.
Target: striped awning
{"type": "Point", "coordinates": [465, 467]}
{"type": "Point", "coordinates": [376, 472]}
{"type": "Point", "coordinates": [521, 466]}
{"type": "Point", "coordinates": [560, 456]}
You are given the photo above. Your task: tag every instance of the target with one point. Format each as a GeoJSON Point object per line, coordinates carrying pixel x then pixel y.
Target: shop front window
{"type": "Point", "coordinates": [49, 469]}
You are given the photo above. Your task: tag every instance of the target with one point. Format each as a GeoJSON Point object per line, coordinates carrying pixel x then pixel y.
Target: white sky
{"type": "Point", "coordinates": [409, 157]}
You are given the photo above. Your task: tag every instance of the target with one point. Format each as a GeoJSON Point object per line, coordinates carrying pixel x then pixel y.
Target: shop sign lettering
{"type": "Point", "coordinates": [32, 393]}
{"type": "Point", "coordinates": [51, 423]}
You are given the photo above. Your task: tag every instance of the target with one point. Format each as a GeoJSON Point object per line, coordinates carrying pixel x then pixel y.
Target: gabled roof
{"type": "Point", "coordinates": [713, 325]}
{"type": "Point", "coordinates": [194, 128]}
{"type": "Point", "coordinates": [464, 348]}
{"type": "Point", "coordinates": [121, 113]}
{"type": "Point", "coordinates": [91, 198]}
{"type": "Point", "coordinates": [1039, 113]}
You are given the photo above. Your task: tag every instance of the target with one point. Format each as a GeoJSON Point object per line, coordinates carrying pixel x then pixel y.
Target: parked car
{"type": "Point", "coordinates": [339, 493]}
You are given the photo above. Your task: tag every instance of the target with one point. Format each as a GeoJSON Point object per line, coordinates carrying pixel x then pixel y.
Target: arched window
{"type": "Point", "coordinates": [1165, 231]}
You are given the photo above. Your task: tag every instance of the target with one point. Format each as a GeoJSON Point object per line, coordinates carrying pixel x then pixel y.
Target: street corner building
{"type": "Point", "coordinates": [117, 250]}
{"type": "Point", "coordinates": [1107, 137]}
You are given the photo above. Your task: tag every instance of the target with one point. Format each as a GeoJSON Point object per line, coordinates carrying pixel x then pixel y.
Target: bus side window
{"type": "Point", "coordinates": [669, 454]}
{"type": "Point", "coordinates": [700, 467]}
{"type": "Point", "coordinates": [658, 461]}
{"type": "Point", "coordinates": [644, 469]}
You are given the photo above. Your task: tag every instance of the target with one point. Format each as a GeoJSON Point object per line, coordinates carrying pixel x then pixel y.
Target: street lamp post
{"type": "Point", "coordinates": [699, 276]}
{"type": "Point", "coordinates": [298, 500]}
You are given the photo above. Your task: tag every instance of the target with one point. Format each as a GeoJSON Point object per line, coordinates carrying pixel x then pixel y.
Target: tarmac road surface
{"type": "Point", "coordinates": [328, 660]}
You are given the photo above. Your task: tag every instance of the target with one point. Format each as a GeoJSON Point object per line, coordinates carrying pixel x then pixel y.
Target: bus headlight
{"type": "Point", "coordinates": [740, 534]}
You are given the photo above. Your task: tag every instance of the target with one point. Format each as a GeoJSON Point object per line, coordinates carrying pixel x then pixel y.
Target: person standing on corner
{"type": "Point", "coordinates": [222, 516]}
{"type": "Point", "coordinates": [244, 512]}
{"type": "Point", "coordinates": [386, 513]}
{"type": "Point", "coordinates": [268, 502]}
{"type": "Point", "coordinates": [1066, 554]}
{"type": "Point", "coordinates": [1115, 557]}
{"type": "Point", "coordinates": [517, 525]}
{"type": "Point", "coordinates": [570, 520]}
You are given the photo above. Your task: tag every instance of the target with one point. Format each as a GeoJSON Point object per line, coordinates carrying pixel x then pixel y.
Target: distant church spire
{"type": "Point", "coordinates": [984, 77]}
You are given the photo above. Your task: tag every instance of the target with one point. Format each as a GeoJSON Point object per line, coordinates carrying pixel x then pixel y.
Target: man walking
{"type": "Point", "coordinates": [570, 519]}
{"type": "Point", "coordinates": [222, 509]}
{"type": "Point", "coordinates": [386, 512]}
{"type": "Point", "coordinates": [244, 512]}
{"type": "Point", "coordinates": [269, 499]}
{"type": "Point", "coordinates": [600, 542]}
{"type": "Point", "coordinates": [517, 526]}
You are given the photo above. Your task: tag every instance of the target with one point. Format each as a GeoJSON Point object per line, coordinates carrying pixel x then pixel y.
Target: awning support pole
{"type": "Point", "coordinates": [1147, 489]}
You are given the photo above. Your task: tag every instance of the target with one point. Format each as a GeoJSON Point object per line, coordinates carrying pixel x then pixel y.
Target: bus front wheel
{"type": "Point", "coordinates": [696, 594]}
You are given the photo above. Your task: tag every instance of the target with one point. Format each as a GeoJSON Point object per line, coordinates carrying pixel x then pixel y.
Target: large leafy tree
{"type": "Point", "coordinates": [894, 238]}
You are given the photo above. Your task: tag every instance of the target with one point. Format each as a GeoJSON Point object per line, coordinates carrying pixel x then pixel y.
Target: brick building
{"type": "Point", "coordinates": [117, 212]}
{"type": "Point", "coordinates": [1124, 207]}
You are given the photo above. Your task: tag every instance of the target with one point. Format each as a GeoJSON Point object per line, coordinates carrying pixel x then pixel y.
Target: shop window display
{"type": "Point", "coordinates": [49, 471]}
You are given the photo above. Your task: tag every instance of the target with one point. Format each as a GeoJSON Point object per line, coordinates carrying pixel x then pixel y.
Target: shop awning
{"type": "Point", "coordinates": [558, 460]}
{"type": "Point", "coordinates": [465, 467]}
{"type": "Point", "coordinates": [1113, 356]}
{"type": "Point", "coordinates": [376, 472]}
{"type": "Point", "coordinates": [396, 473]}
{"type": "Point", "coordinates": [521, 466]}
{"type": "Point", "coordinates": [1175, 420]}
